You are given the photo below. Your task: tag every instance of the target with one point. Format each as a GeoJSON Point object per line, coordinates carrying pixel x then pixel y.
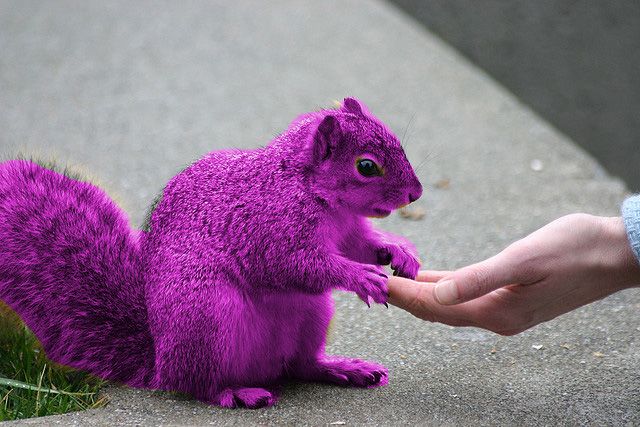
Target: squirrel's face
{"type": "Point", "coordinates": [360, 165]}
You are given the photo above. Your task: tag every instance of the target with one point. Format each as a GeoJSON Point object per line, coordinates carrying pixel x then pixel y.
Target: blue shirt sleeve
{"type": "Point", "coordinates": [631, 216]}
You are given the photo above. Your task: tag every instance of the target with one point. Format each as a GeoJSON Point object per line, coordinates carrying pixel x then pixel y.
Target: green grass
{"type": "Point", "coordinates": [33, 386]}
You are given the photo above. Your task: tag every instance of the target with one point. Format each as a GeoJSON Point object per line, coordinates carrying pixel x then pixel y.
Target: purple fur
{"type": "Point", "coordinates": [228, 293]}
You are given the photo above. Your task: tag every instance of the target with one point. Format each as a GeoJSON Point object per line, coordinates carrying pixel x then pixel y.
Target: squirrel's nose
{"type": "Point", "coordinates": [415, 193]}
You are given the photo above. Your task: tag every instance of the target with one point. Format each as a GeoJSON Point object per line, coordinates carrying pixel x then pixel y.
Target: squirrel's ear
{"type": "Point", "coordinates": [326, 138]}
{"type": "Point", "coordinates": [353, 106]}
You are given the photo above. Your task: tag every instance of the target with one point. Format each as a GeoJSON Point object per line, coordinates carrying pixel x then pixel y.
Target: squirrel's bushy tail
{"type": "Point", "coordinates": [70, 266]}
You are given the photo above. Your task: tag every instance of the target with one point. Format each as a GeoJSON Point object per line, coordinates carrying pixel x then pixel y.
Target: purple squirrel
{"type": "Point", "coordinates": [226, 291]}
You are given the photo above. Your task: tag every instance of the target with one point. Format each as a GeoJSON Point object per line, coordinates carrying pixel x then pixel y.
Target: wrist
{"type": "Point", "coordinates": [624, 263]}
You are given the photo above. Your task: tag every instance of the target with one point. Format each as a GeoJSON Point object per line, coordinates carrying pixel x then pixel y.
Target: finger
{"type": "Point", "coordinates": [418, 299]}
{"type": "Point", "coordinates": [431, 275]}
{"type": "Point", "coordinates": [479, 279]}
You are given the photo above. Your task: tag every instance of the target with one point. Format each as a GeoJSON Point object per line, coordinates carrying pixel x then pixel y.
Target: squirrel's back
{"type": "Point", "coordinates": [70, 267]}
{"type": "Point", "coordinates": [235, 210]}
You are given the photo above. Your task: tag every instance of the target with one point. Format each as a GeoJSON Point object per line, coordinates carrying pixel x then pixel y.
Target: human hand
{"type": "Point", "coordinates": [568, 263]}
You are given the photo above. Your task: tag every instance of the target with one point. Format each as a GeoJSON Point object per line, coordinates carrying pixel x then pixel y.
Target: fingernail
{"type": "Point", "coordinates": [446, 292]}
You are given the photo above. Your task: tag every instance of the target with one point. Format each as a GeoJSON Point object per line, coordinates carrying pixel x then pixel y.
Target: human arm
{"type": "Point", "coordinates": [568, 263]}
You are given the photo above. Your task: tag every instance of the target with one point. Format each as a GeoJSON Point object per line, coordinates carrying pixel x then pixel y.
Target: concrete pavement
{"type": "Point", "coordinates": [135, 90]}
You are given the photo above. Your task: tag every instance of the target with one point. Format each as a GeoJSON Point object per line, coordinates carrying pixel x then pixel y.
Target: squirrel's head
{"type": "Point", "coordinates": [358, 164]}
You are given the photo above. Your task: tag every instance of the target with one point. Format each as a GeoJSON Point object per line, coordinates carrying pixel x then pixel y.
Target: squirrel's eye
{"type": "Point", "coordinates": [367, 167]}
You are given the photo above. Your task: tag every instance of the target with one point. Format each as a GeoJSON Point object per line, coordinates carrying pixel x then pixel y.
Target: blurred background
{"type": "Point", "coordinates": [135, 90]}
{"type": "Point", "coordinates": [576, 63]}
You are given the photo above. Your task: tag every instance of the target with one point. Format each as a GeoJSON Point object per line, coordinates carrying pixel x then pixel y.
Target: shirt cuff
{"type": "Point", "coordinates": [631, 216]}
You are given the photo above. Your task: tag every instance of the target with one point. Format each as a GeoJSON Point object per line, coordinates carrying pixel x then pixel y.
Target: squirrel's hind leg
{"type": "Point", "coordinates": [312, 364]}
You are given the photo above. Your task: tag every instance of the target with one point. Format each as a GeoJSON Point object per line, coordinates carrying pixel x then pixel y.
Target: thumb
{"type": "Point", "coordinates": [478, 279]}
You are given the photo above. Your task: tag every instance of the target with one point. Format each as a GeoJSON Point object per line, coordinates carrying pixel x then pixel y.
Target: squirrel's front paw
{"type": "Point", "coordinates": [371, 282]}
{"type": "Point", "coordinates": [404, 262]}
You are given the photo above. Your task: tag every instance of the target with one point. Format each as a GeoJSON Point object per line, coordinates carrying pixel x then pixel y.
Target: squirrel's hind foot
{"type": "Point", "coordinates": [252, 398]}
{"type": "Point", "coordinates": [350, 372]}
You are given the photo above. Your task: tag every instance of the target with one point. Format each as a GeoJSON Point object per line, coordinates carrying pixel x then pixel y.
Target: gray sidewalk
{"type": "Point", "coordinates": [133, 91]}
